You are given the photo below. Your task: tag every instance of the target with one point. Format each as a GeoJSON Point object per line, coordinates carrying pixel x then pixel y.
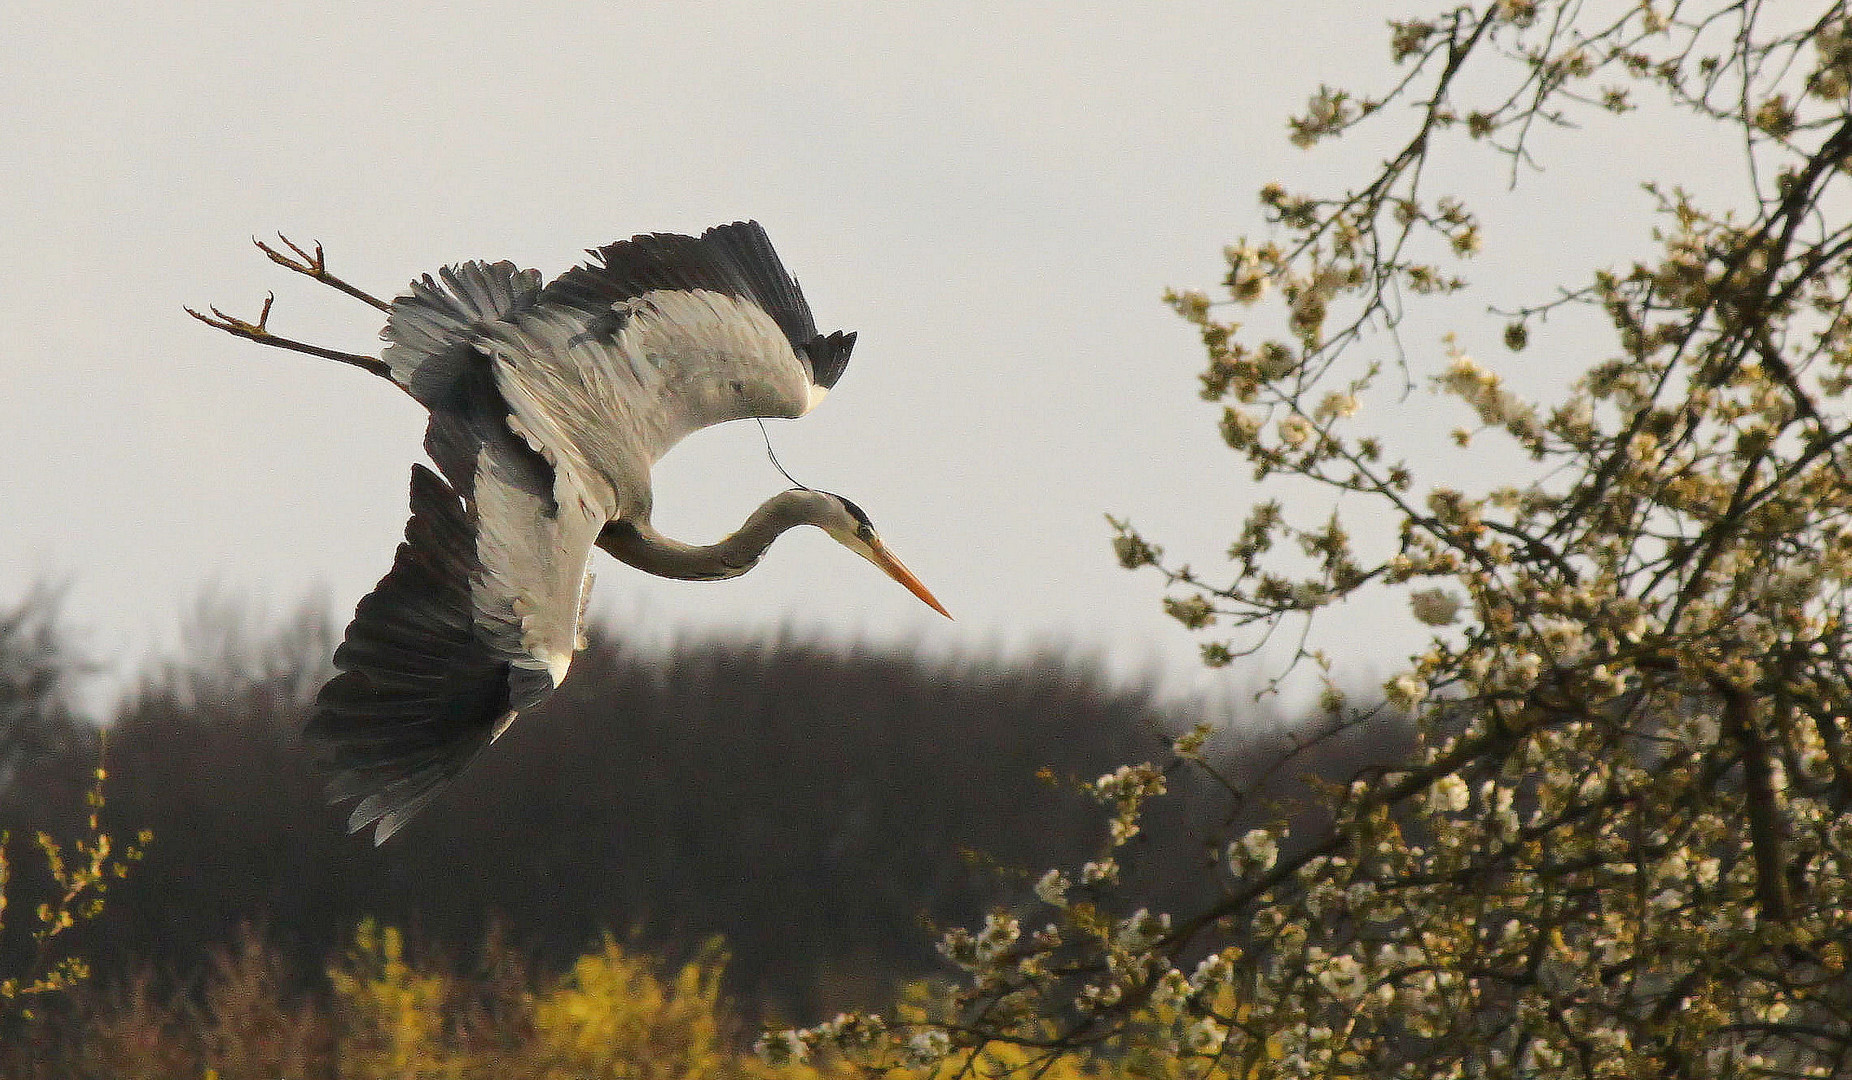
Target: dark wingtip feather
{"type": "Point", "coordinates": [418, 695]}
{"type": "Point", "coordinates": [736, 259]}
{"type": "Point", "coordinates": [829, 355]}
{"type": "Point", "coordinates": [746, 247]}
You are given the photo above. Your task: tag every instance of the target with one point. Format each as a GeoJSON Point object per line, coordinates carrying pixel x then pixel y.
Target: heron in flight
{"type": "Point", "coordinates": [548, 405]}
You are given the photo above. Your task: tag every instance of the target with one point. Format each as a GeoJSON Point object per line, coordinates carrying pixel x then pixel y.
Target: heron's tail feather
{"type": "Point", "coordinates": [431, 329]}
{"type": "Point", "coordinates": [418, 694]}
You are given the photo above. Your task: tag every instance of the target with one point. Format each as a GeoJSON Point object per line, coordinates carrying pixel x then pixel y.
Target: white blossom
{"type": "Point", "coordinates": [1565, 640]}
{"type": "Point", "coordinates": [1190, 743]}
{"type": "Point", "coordinates": [927, 1047]}
{"type": "Point", "coordinates": [1131, 782]}
{"type": "Point", "coordinates": [1406, 691]}
{"type": "Point", "coordinates": [1343, 977]}
{"type": "Point", "coordinates": [1203, 1036]}
{"type": "Point", "coordinates": [1450, 793]}
{"type": "Point", "coordinates": [1255, 852]}
{"type": "Point", "coordinates": [1000, 932]}
{"type": "Point", "coordinates": [1140, 930]}
{"type": "Point", "coordinates": [1295, 430]}
{"type": "Point", "coordinates": [1336, 405]}
{"type": "Point", "coordinates": [1247, 273]}
{"type": "Point", "coordinates": [1466, 378]}
{"type": "Point", "coordinates": [1051, 888]}
{"type": "Point", "coordinates": [781, 1047]}
{"type": "Point", "coordinates": [1672, 531]}
{"type": "Point", "coordinates": [1215, 969]}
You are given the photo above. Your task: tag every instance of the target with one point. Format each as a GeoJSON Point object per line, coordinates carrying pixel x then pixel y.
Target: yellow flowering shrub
{"type": "Point", "coordinates": [80, 873]}
{"type": "Point", "coordinates": [614, 1016]}
{"type": "Point", "coordinates": [392, 1015]}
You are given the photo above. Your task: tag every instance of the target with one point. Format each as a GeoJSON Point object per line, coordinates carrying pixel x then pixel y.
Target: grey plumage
{"type": "Point", "coordinates": [733, 260]}
{"type": "Point", "coordinates": [419, 691]}
{"type": "Point", "coordinates": [429, 330]}
{"type": "Point", "coordinates": [548, 407]}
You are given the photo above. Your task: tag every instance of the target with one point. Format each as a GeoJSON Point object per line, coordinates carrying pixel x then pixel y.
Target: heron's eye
{"type": "Point", "coordinates": [865, 531]}
{"type": "Point", "coordinates": [862, 524]}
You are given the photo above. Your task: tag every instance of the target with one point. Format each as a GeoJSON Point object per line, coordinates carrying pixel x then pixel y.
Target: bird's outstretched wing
{"type": "Point", "coordinates": [419, 690]}
{"type": "Point", "coordinates": [432, 329]}
{"type": "Point", "coordinates": [615, 362]}
{"type": "Point", "coordinates": [734, 260]}
{"type": "Point", "coordinates": [477, 620]}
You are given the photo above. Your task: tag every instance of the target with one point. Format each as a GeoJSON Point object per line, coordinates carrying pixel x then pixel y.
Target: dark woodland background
{"type": "Point", "coordinates": [819, 808]}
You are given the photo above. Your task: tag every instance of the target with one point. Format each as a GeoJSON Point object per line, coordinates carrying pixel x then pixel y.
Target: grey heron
{"type": "Point", "coordinates": [549, 403]}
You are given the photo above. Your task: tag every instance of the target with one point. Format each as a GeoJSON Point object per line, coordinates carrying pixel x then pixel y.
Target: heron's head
{"type": "Point", "coordinates": [846, 522]}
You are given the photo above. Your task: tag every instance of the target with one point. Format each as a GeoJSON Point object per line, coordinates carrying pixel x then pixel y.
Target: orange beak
{"type": "Point", "coordinates": [882, 557]}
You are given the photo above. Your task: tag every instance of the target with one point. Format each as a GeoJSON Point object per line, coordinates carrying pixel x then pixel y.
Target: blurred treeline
{"type": "Point", "coordinates": [816, 808]}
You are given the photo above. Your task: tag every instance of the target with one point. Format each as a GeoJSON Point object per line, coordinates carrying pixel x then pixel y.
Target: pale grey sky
{"type": "Point", "coordinates": [993, 195]}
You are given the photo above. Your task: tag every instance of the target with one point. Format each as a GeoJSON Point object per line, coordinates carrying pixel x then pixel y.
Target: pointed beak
{"type": "Point", "coordinates": [879, 555]}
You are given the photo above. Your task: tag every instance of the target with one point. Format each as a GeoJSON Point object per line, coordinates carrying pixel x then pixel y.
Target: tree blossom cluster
{"type": "Point", "coordinates": [1623, 846]}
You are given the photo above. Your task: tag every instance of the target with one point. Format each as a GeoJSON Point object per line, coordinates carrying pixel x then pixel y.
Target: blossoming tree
{"type": "Point", "coordinates": [1623, 847]}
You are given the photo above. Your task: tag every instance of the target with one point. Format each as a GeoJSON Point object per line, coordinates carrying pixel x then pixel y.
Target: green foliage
{"type": "Point", "coordinates": [80, 873]}
{"type": "Point", "coordinates": [1623, 846]}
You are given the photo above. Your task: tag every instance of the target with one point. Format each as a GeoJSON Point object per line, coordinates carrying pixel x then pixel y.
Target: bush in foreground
{"type": "Point", "coordinates": [394, 1015]}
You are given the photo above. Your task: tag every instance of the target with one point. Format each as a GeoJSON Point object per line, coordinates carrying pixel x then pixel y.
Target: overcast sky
{"type": "Point", "coordinates": [994, 195]}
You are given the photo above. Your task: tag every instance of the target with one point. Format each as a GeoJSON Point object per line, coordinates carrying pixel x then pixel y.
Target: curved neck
{"type": "Point", "coordinates": [639, 544]}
